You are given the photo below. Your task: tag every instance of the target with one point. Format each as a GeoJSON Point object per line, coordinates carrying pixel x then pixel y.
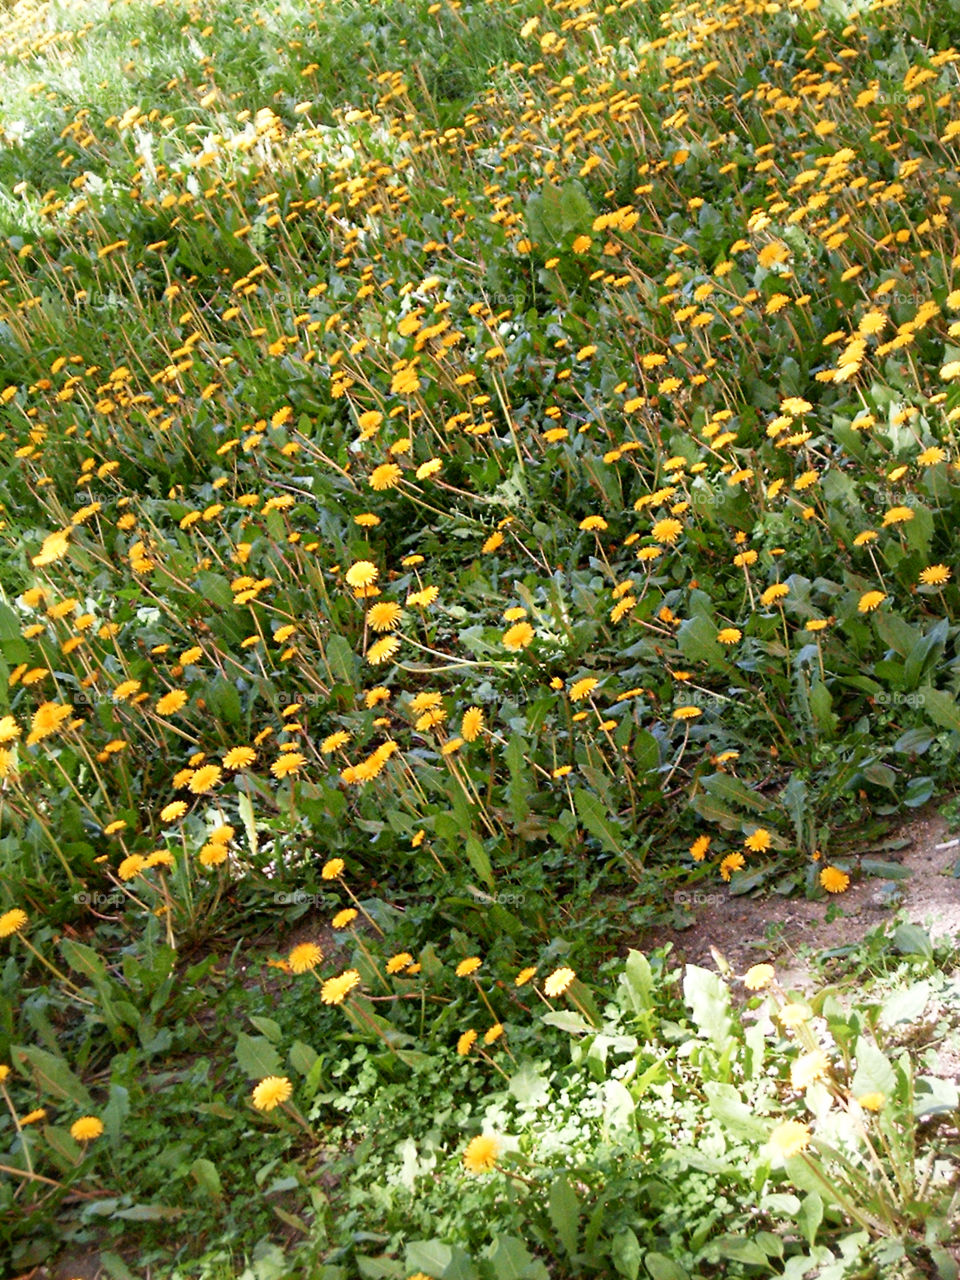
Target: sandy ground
{"type": "Point", "coordinates": [783, 930]}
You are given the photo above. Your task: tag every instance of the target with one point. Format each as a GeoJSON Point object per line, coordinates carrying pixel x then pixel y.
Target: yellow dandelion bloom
{"type": "Point", "coordinates": [871, 600]}
{"type": "Point", "coordinates": [271, 1092]}
{"type": "Point", "coordinates": [304, 957]}
{"type": "Point", "coordinates": [789, 1139]}
{"type": "Point", "coordinates": [471, 726]}
{"type": "Point", "coordinates": [336, 990]}
{"type": "Point", "coordinates": [12, 922]}
{"type": "Point", "coordinates": [834, 880]}
{"type": "Point", "coordinates": [558, 981]}
{"type": "Point", "coordinates": [519, 636]}
{"type": "Point", "coordinates": [468, 966]}
{"type": "Point", "coordinates": [86, 1128]}
{"type": "Point", "coordinates": [481, 1153]}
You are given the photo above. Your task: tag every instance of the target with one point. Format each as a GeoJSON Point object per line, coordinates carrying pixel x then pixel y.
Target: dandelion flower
{"type": "Point", "coordinates": [362, 574]}
{"type": "Point", "coordinates": [171, 702]}
{"type": "Point", "coordinates": [834, 880]}
{"type": "Point", "coordinates": [667, 531]}
{"type": "Point", "coordinates": [86, 1128]}
{"type": "Point", "coordinates": [205, 779]}
{"type": "Point", "coordinates": [384, 615]}
{"type": "Point", "coordinates": [729, 635]}
{"type": "Point", "coordinates": [759, 976]}
{"type": "Point", "coordinates": [344, 917]}
{"type": "Point", "coordinates": [558, 981]}
{"type": "Point", "coordinates": [387, 476]}
{"type": "Point", "coordinates": [687, 713]}
{"type": "Point", "coordinates": [270, 1092]}
{"type": "Point", "coordinates": [935, 576]}
{"type": "Point", "coordinates": [336, 990]}
{"type": "Point", "coordinates": [873, 1101]}
{"type": "Point", "coordinates": [304, 957]}
{"type": "Point", "coordinates": [290, 762]}
{"type": "Point", "coordinates": [12, 922]}
{"type": "Point", "coordinates": [519, 636]}
{"type": "Point", "coordinates": [871, 600]}
{"type": "Point", "coordinates": [382, 650]}
{"type": "Point", "coordinates": [524, 976]}
{"type": "Point", "coordinates": [809, 1068]}
{"type": "Point", "coordinates": [759, 841]}
{"type": "Point", "coordinates": [776, 591]}
{"type": "Point", "coordinates": [468, 966]}
{"type": "Point", "coordinates": [471, 725]}
{"type": "Point", "coordinates": [789, 1139]}
{"type": "Point", "coordinates": [399, 962]}
{"type": "Point", "coordinates": [732, 862]}
{"type": "Point", "coordinates": [239, 758]}
{"type": "Point", "coordinates": [698, 850]}
{"type": "Point", "coordinates": [333, 869]}
{"type": "Point", "coordinates": [481, 1153]}
{"type": "Point", "coordinates": [466, 1042]}
{"type": "Point", "coordinates": [581, 689]}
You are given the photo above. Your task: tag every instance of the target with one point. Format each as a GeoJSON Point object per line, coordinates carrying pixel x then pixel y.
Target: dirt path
{"type": "Point", "coordinates": [747, 930]}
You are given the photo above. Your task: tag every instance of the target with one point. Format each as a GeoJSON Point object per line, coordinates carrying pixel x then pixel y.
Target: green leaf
{"type": "Point", "coordinates": [341, 659]}
{"type": "Point", "coordinates": [697, 639]}
{"type": "Point", "coordinates": [520, 778]}
{"type": "Point", "coordinates": [479, 860]}
{"type": "Point", "coordinates": [626, 1254]}
{"type": "Point", "coordinates": [708, 999]}
{"type": "Point", "coordinates": [874, 1074]}
{"type": "Point", "coordinates": [940, 707]}
{"type": "Point", "coordinates": [564, 1210]}
{"type": "Point", "coordinates": [51, 1075]}
{"type": "Point", "coordinates": [267, 1027]}
{"type": "Point", "coordinates": [810, 1216]}
{"type": "Point", "coordinates": [511, 1260]}
{"type": "Point", "coordinates": [83, 959]}
{"type": "Point", "coordinates": [245, 809]}
{"type": "Point", "coordinates": [635, 987]}
{"type": "Point", "coordinates": [733, 1113]}
{"type": "Point", "coordinates": [731, 791]}
{"type": "Point", "coordinates": [912, 940]}
{"type": "Point", "coordinates": [215, 589]}
{"type": "Point", "coordinates": [205, 1175]}
{"type": "Point", "coordinates": [663, 1268]}
{"type": "Point", "coordinates": [302, 1057]}
{"type": "Point", "coordinates": [906, 1005]}
{"type": "Point", "coordinates": [594, 816]}
{"type": "Point", "coordinates": [576, 211]}
{"type": "Point", "coordinates": [257, 1057]}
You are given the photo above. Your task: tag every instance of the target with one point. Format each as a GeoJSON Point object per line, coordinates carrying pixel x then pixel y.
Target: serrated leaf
{"type": "Point", "coordinates": [257, 1057]}
{"type": "Point", "coordinates": [50, 1074]}
{"type": "Point", "coordinates": [940, 707]}
{"type": "Point", "coordinates": [595, 817]}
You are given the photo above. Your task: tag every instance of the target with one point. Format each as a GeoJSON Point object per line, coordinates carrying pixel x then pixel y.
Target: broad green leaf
{"type": "Point", "coordinates": [940, 707]}
{"type": "Point", "coordinates": [596, 818]}
{"type": "Point", "coordinates": [257, 1057]}
{"type": "Point", "coordinates": [708, 999]}
{"type": "Point", "coordinates": [564, 1210]}
{"type": "Point", "coordinates": [205, 1175]}
{"type": "Point", "coordinates": [50, 1074]}
{"type": "Point", "coordinates": [479, 859]}
{"type": "Point", "coordinates": [874, 1074]}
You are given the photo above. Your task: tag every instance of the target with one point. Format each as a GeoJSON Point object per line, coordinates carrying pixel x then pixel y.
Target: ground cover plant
{"type": "Point", "coordinates": [469, 473]}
